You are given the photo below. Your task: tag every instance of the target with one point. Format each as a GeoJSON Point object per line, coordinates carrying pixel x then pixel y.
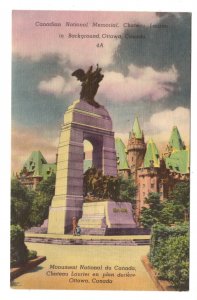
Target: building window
{"type": "Point", "coordinates": [152, 185]}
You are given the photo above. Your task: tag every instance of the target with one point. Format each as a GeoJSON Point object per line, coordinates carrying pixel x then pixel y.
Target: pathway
{"type": "Point", "coordinates": [120, 267]}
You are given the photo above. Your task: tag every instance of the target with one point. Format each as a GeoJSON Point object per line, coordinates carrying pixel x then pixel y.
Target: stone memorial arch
{"type": "Point", "coordinates": [84, 120]}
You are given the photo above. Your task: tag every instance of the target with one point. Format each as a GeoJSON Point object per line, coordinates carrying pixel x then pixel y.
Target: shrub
{"type": "Point", "coordinates": [177, 262]}
{"type": "Point", "coordinates": [32, 254]}
{"type": "Point", "coordinates": [169, 254]}
{"type": "Point", "coordinates": [19, 251]}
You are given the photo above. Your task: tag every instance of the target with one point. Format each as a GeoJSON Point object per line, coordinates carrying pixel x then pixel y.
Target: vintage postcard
{"type": "Point", "coordinates": [100, 187]}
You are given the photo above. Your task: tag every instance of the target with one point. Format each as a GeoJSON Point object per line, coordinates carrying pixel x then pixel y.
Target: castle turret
{"type": "Point", "coordinates": [151, 158]}
{"type": "Point", "coordinates": [122, 164]}
{"type": "Point", "coordinates": [136, 148]}
{"type": "Point", "coordinates": [148, 177]}
{"type": "Point", "coordinates": [175, 142]}
{"type": "Point", "coordinates": [177, 157]}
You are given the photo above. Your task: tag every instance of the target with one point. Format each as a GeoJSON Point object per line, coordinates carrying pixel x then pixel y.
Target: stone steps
{"type": "Point", "coordinates": [142, 242]}
{"type": "Point", "coordinates": [96, 242]}
{"type": "Point", "coordinates": [93, 231]}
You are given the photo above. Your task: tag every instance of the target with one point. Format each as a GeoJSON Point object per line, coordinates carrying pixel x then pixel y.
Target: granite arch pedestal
{"type": "Point", "coordinates": [82, 121]}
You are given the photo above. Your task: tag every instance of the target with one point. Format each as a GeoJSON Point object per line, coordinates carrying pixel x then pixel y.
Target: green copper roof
{"type": "Point", "coordinates": [175, 140]}
{"type": "Point", "coordinates": [179, 161]}
{"type": "Point", "coordinates": [136, 129]}
{"type": "Point", "coordinates": [38, 166]}
{"type": "Point", "coordinates": [48, 169]}
{"type": "Point", "coordinates": [34, 162]}
{"type": "Point", "coordinates": [151, 157]}
{"type": "Point", "coordinates": [121, 154]}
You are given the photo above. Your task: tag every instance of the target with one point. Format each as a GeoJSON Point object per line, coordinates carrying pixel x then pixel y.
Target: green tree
{"type": "Point", "coordinates": [171, 213]}
{"type": "Point", "coordinates": [176, 209]}
{"type": "Point", "coordinates": [47, 187]}
{"type": "Point", "coordinates": [181, 199]}
{"type": "Point", "coordinates": [128, 191]}
{"type": "Point", "coordinates": [21, 202]}
{"type": "Point", "coordinates": [151, 214]}
{"type": "Point", "coordinates": [42, 200]}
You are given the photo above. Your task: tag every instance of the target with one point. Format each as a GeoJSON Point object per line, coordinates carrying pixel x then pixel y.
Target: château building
{"type": "Point", "coordinates": [152, 171]}
{"type": "Point", "coordinates": [35, 169]}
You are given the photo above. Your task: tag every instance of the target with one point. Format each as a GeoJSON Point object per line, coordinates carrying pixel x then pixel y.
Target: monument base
{"type": "Point", "coordinates": [99, 217]}
{"type": "Point", "coordinates": [60, 214]}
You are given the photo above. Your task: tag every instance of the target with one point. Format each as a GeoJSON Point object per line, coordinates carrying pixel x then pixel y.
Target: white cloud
{"type": "Point", "coordinates": [123, 136]}
{"type": "Point", "coordinates": [58, 86]}
{"type": "Point", "coordinates": [32, 140]}
{"type": "Point", "coordinates": [160, 125]}
{"type": "Point", "coordinates": [140, 83]}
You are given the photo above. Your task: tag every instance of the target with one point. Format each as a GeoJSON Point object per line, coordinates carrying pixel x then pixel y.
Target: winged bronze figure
{"type": "Point", "coordinates": [90, 83]}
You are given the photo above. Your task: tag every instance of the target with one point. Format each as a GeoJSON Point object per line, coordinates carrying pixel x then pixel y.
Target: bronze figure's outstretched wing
{"type": "Point", "coordinates": [80, 74]}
